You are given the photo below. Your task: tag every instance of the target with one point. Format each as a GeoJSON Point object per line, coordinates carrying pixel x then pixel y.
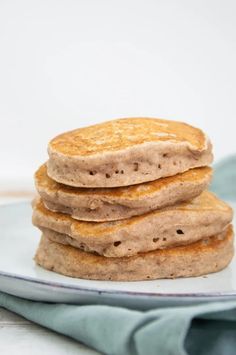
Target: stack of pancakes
{"type": "Point", "coordinates": [127, 200]}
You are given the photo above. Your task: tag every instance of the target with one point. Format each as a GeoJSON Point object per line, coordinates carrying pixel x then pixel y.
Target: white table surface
{"type": "Point", "coordinates": [19, 336]}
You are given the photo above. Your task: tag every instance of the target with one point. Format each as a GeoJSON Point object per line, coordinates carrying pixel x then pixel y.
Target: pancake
{"type": "Point", "coordinates": [181, 224]}
{"type": "Point", "coordinates": [203, 257]}
{"type": "Point", "coordinates": [126, 152]}
{"type": "Point", "coordinates": [107, 204]}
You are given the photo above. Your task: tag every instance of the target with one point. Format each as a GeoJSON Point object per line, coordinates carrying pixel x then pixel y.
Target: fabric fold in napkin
{"type": "Point", "coordinates": [113, 330]}
{"type": "Point", "coordinates": [206, 329]}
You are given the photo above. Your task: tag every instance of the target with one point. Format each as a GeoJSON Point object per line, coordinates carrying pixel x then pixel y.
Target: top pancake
{"type": "Point", "coordinates": [126, 151]}
{"type": "Point", "coordinates": [124, 133]}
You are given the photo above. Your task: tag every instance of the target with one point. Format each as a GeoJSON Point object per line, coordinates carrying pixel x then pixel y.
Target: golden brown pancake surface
{"type": "Point", "coordinates": [123, 133]}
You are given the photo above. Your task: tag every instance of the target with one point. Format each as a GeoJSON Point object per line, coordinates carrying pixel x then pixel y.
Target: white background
{"type": "Point", "coordinates": [69, 63]}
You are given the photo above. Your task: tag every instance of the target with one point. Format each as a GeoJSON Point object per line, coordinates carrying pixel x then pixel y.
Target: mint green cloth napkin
{"type": "Point", "coordinates": [224, 179]}
{"type": "Point", "coordinates": [207, 329]}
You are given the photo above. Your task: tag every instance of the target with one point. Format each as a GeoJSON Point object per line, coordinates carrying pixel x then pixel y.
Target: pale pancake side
{"type": "Point", "coordinates": [126, 152]}
{"type": "Point", "coordinates": [187, 222]}
{"type": "Point", "coordinates": [200, 258]}
{"type": "Point", "coordinates": [109, 204]}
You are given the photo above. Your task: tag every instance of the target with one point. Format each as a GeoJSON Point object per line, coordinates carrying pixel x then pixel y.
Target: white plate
{"type": "Point", "coordinates": [21, 277]}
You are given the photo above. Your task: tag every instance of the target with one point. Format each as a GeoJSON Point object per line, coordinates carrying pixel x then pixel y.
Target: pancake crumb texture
{"type": "Point", "coordinates": [181, 224]}
{"type": "Point", "coordinates": [203, 257]}
{"type": "Point", "coordinates": [107, 204]}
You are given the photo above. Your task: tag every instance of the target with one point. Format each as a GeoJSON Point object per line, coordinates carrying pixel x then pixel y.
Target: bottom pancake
{"type": "Point", "coordinates": [203, 257]}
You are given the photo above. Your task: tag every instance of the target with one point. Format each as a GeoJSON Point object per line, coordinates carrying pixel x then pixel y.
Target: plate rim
{"type": "Point", "coordinates": [65, 286]}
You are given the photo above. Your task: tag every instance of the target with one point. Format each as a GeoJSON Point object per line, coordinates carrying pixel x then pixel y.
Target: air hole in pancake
{"type": "Point", "coordinates": [122, 171]}
{"type": "Point", "coordinates": [116, 244]}
{"type": "Point", "coordinates": [155, 240]}
{"type": "Point", "coordinates": [135, 166]}
{"type": "Point", "coordinates": [171, 275]}
{"type": "Point", "coordinates": [164, 239]}
{"type": "Point", "coordinates": [129, 249]}
{"type": "Point", "coordinates": [117, 171]}
{"type": "Point", "coordinates": [174, 163]}
{"type": "Point", "coordinates": [92, 173]}
{"type": "Point", "coordinates": [165, 155]}
{"type": "Point", "coordinates": [179, 231]}
{"type": "Point", "coordinates": [148, 277]}
{"type": "Point", "coordinates": [159, 166]}
{"type": "Point", "coordinates": [108, 176]}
